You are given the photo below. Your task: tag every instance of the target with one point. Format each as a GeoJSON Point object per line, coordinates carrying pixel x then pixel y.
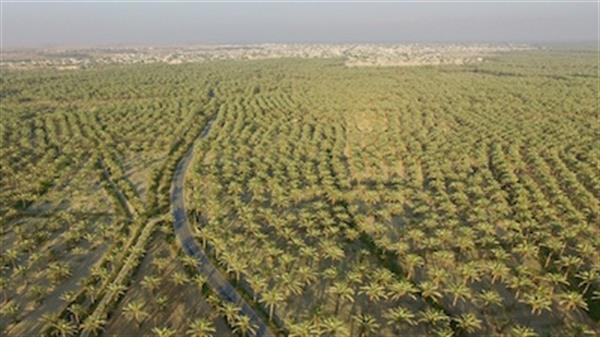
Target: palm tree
{"type": "Point", "coordinates": [306, 275]}
{"type": "Point", "coordinates": [116, 289]}
{"type": "Point", "coordinates": [402, 288]}
{"type": "Point", "coordinates": [189, 261]}
{"type": "Point", "coordinates": [64, 328]}
{"type": "Point", "coordinates": [92, 325]}
{"type": "Point", "coordinates": [230, 311]}
{"type": "Point", "coordinates": [91, 292]}
{"type": "Point", "coordinates": [204, 235]}
{"type": "Point", "coordinates": [258, 285]}
{"type": "Point", "coordinates": [572, 300]}
{"type": "Point", "coordinates": [243, 325]}
{"type": "Point", "coordinates": [587, 277]}
{"type": "Point", "coordinates": [568, 263]}
{"type": "Point", "coordinates": [468, 322]}
{"type": "Point", "coordinates": [470, 272]}
{"type": "Point", "coordinates": [367, 325]}
{"type": "Point", "coordinates": [433, 316]}
{"type": "Point", "coordinates": [374, 292]}
{"type": "Point", "coordinates": [519, 284]}
{"type": "Point", "coordinates": [134, 311]}
{"type": "Point", "coordinates": [76, 310]}
{"type": "Point", "coordinates": [161, 301]}
{"type": "Point", "coordinates": [539, 301]}
{"type": "Point", "coordinates": [199, 281]}
{"type": "Point", "coordinates": [150, 283]}
{"type": "Point", "coordinates": [522, 331]}
{"type": "Point", "coordinates": [489, 298]}
{"type": "Point", "coordinates": [458, 291]}
{"type": "Point", "coordinates": [410, 263]}
{"type": "Point", "coordinates": [498, 270]}
{"type": "Point", "coordinates": [58, 271]}
{"type": "Point", "coordinates": [201, 328]}
{"type": "Point", "coordinates": [291, 285]}
{"type": "Point", "coordinates": [430, 290]}
{"type": "Point", "coordinates": [180, 278]}
{"type": "Point", "coordinates": [398, 317]}
{"type": "Point", "coordinates": [11, 256]}
{"type": "Point", "coordinates": [10, 310]}
{"type": "Point", "coordinates": [163, 332]}
{"type": "Point", "coordinates": [303, 329]}
{"type": "Point", "coordinates": [271, 298]}
{"type": "Point", "coordinates": [334, 327]}
{"type": "Point", "coordinates": [48, 320]}
{"type": "Point", "coordinates": [343, 292]}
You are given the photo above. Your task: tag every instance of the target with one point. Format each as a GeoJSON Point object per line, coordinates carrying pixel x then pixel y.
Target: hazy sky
{"type": "Point", "coordinates": [89, 24]}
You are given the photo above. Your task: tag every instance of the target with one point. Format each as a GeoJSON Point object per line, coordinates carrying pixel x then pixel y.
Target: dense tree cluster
{"type": "Point", "coordinates": [414, 201]}
{"type": "Point", "coordinates": [425, 201]}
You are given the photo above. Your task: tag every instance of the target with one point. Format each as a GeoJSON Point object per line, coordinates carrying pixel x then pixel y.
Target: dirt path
{"type": "Point", "coordinates": [219, 284]}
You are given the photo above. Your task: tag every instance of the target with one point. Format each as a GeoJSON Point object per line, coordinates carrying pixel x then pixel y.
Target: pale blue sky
{"type": "Point", "coordinates": [94, 24]}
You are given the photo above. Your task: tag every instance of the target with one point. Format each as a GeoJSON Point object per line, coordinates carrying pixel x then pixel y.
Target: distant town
{"type": "Point", "coordinates": [355, 54]}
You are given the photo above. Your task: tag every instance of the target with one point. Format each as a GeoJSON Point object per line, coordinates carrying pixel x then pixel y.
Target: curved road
{"type": "Point", "coordinates": [218, 283]}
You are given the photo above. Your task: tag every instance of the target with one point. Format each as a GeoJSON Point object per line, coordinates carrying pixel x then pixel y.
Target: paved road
{"type": "Point", "coordinates": [219, 284]}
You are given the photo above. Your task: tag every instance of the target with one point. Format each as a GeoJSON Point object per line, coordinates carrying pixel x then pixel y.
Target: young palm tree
{"type": "Point", "coordinates": [201, 328]}
{"type": "Point", "coordinates": [243, 326]}
{"type": "Point", "coordinates": [230, 311]}
{"type": "Point", "coordinates": [64, 328]}
{"type": "Point", "coordinates": [117, 289]}
{"type": "Point", "coordinates": [163, 332]}
{"type": "Point", "coordinates": [180, 278]}
{"type": "Point", "coordinates": [189, 261]}
{"type": "Point", "coordinates": [47, 319]}
{"type": "Point", "coordinates": [76, 310]}
{"type": "Point", "coordinates": [12, 309]}
{"type": "Point", "coordinates": [58, 271]}
{"type": "Point", "coordinates": [92, 325]}
{"type": "Point", "coordinates": [161, 301]}
{"type": "Point", "coordinates": [150, 283]}
{"type": "Point", "coordinates": [134, 311]}
{"type": "Point", "coordinates": [199, 281]}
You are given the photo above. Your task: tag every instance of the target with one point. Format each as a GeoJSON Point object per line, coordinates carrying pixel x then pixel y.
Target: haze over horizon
{"type": "Point", "coordinates": [39, 25]}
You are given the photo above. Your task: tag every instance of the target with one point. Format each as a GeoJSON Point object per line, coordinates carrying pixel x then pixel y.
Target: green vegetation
{"type": "Point", "coordinates": [376, 201]}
